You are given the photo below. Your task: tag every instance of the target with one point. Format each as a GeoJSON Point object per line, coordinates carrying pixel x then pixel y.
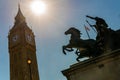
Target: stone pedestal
{"type": "Point", "coordinates": [104, 67]}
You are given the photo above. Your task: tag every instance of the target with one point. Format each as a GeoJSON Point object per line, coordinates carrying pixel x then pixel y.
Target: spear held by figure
{"type": "Point", "coordinates": [99, 21]}
{"type": "Point", "coordinates": [91, 26]}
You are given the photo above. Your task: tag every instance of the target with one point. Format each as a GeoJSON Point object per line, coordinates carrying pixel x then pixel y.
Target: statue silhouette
{"type": "Point", "coordinates": [106, 40]}
{"type": "Point", "coordinates": [85, 48]}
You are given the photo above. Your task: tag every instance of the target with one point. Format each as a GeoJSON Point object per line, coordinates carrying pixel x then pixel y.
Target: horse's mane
{"type": "Point", "coordinates": [79, 32]}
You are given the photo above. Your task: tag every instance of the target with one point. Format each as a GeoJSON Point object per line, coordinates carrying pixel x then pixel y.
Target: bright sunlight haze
{"type": "Point", "coordinates": [38, 7]}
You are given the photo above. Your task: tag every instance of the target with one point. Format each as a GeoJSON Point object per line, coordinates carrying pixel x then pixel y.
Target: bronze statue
{"type": "Point", "coordinates": [106, 40]}
{"type": "Point", "coordinates": [85, 48]}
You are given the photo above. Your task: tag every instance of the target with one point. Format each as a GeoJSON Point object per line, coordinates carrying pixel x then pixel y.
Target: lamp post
{"type": "Point", "coordinates": [29, 63]}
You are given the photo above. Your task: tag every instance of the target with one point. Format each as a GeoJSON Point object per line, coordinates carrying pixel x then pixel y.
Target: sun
{"type": "Point", "coordinates": [38, 7]}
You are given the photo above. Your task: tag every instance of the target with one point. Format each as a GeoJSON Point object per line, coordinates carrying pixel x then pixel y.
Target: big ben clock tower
{"type": "Point", "coordinates": [22, 51]}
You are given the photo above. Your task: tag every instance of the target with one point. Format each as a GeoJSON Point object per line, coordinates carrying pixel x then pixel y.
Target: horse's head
{"type": "Point", "coordinates": [72, 30]}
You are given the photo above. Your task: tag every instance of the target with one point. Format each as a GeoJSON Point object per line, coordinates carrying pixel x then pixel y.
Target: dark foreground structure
{"type": "Point", "coordinates": [104, 67]}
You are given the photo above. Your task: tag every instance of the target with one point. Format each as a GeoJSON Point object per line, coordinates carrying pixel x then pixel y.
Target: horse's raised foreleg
{"type": "Point", "coordinates": [63, 48]}
{"type": "Point", "coordinates": [67, 49]}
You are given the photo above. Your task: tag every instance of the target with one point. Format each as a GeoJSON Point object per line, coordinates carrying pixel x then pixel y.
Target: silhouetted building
{"type": "Point", "coordinates": [22, 51]}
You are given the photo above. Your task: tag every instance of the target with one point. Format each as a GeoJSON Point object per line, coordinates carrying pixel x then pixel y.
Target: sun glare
{"type": "Point", "coordinates": [38, 7]}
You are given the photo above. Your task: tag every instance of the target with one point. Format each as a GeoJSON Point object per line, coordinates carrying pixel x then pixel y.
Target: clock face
{"type": "Point", "coordinates": [14, 38]}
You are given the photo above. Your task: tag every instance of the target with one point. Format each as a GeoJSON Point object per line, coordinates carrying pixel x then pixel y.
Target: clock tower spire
{"type": "Point", "coordinates": [22, 51]}
{"type": "Point", "coordinates": [19, 17]}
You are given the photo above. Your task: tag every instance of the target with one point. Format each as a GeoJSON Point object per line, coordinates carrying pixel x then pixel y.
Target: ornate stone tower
{"type": "Point", "coordinates": [22, 51]}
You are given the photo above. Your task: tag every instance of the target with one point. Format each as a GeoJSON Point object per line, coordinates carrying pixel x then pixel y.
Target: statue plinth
{"type": "Point", "coordinates": [104, 67]}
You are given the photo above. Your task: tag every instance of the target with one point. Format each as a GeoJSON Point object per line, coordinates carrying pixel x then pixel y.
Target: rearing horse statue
{"type": "Point", "coordinates": [85, 48]}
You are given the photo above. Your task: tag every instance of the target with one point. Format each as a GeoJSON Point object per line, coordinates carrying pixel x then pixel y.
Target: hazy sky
{"type": "Point", "coordinates": [49, 30]}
